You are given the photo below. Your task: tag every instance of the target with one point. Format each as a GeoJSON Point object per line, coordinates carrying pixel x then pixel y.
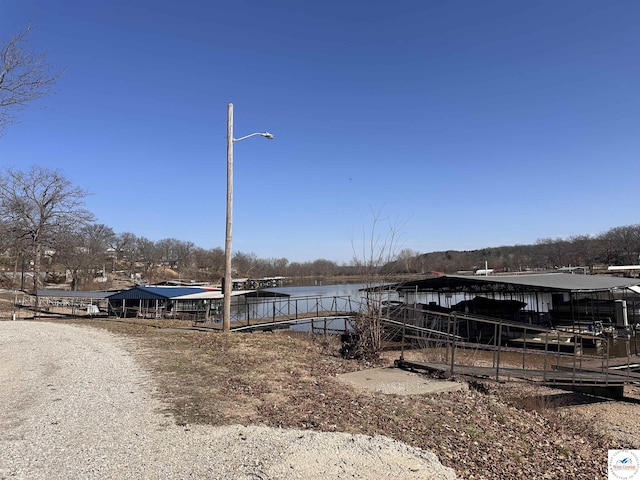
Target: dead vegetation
{"type": "Point", "coordinates": [289, 380]}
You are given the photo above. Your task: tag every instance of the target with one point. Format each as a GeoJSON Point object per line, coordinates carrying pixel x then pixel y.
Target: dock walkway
{"type": "Point", "coordinates": [622, 367]}
{"type": "Point", "coordinates": [595, 383]}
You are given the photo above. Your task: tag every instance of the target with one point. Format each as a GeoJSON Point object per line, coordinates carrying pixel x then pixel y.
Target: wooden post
{"type": "Point", "coordinates": [228, 282]}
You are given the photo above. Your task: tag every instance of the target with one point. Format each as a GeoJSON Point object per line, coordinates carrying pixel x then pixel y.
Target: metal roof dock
{"type": "Point", "coordinates": [547, 282]}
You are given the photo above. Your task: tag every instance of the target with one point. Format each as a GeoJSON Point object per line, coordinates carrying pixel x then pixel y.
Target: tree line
{"type": "Point", "coordinates": [616, 246]}
{"type": "Point", "coordinates": [45, 229]}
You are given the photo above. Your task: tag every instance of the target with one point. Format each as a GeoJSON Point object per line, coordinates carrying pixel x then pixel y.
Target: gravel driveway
{"type": "Point", "coordinates": [76, 405]}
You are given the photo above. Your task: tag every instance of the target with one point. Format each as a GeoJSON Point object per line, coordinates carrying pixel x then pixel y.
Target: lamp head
{"type": "Point", "coordinates": [267, 135]}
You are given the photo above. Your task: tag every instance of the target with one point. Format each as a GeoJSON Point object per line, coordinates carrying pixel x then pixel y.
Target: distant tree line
{"type": "Point", "coordinates": [617, 246]}
{"type": "Point", "coordinates": [45, 229]}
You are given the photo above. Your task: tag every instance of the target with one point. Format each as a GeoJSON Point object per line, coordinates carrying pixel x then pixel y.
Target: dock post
{"type": "Point", "coordinates": [524, 347]}
{"type": "Point", "coordinates": [575, 355]}
{"type": "Point", "coordinates": [607, 364]}
{"type": "Point", "coordinates": [453, 341]}
{"type": "Point", "coordinates": [628, 355]}
{"type": "Point", "coordinates": [404, 322]}
{"type": "Point", "coordinates": [495, 344]}
{"type": "Point", "coordinates": [448, 334]}
{"type": "Point", "coordinates": [499, 347]}
{"type": "Point", "coordinates": [546, 351]}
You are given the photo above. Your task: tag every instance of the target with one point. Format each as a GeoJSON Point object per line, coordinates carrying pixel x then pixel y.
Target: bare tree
{"type": "Point", "coordinates": [148, 255]}
{"type": "Point", "coordinates": [18, 250]}
{"type": "Point", "coordinates": [71, 253]}
{"type": "Point", "coordinates": [98, 237]}
{"type": "Point", "coordinates": [378, 249]}
{"type": "Point", "coordinates": [124, 247]}
{"type": "Point", "coordinates": [279, 266]}
{"type": "Point", "coordinates": [167, 248]}
{"type": "Point", "coordinates": [184, 256]}
{"type": "Point", "coordinates": [244, 263]}
{"type": "Point", "coordinates": [24, 77]}
{"type": "Point", "coordinates": [37, 205]}
{"type": "Point", "coordinates": [581, 251]}
{"type": "Point", "coordinates": [408, 257]}
{"type": "Point", "coordinates": [209, 263]}
{"type": "Point", "coordinates": [625, 242]}
{"type": "Point", "coordinates": [6, 242]}
{"type": "Point", "coordinates": [83, 252]}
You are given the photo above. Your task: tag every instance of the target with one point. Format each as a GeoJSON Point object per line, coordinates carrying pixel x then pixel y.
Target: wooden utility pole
{"type": "Point", "coordinates": [228, 281]}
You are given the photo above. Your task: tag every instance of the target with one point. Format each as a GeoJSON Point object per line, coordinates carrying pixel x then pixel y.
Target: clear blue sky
{"type": "Point", "coordinates": [467, 124]}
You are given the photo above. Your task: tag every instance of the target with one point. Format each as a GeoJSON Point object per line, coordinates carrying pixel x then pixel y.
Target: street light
{"type": "Point", "coordinates": [228, 281]}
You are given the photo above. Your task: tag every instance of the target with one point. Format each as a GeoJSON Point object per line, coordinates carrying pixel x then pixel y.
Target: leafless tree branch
{"type": "Point", "coordinates": [24, 77]}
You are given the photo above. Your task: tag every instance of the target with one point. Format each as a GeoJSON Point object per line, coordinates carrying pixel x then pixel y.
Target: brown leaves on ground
{"type": "Point", "coordinates": [289, 381]}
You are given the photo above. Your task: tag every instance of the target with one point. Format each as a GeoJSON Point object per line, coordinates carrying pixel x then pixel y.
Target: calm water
{"type": "Point", "coordinates": [620, 347]}
{"type": "Point", "coordinates": [352, 290]}
{"type": "Point", "coordinates": [301, 300]}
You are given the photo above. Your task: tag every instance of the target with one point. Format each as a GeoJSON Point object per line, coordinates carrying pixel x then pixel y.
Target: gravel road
{"type": "Point", "coordinates": [76, 405]}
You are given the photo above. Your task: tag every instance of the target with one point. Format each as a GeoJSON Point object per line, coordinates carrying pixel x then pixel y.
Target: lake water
{"type": "Point", "coordinates": [352, 290]}
{"type": "Point", "coordinates": [301, 302]}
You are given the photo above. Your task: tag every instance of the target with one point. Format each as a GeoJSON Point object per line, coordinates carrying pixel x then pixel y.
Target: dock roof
{"type": "Point", "coordinates": [181, 293]}
{"type": "Point", "coordinates": [547, 282]}
{"type": "Point", "coordinates": [57, 293]}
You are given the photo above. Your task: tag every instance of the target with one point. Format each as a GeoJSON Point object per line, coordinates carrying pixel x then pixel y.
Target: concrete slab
{"type": "Point", "coordinates": [395, 381]}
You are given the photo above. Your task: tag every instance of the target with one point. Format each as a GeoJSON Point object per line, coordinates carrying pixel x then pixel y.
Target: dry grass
{"type": "Point", "coordinates": [288, 380]}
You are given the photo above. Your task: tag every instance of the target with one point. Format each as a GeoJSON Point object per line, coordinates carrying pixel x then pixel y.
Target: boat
{"type": "Point", "coordinates": [553, 341]}
{"type": "Point", "coordinates": [586, 336]}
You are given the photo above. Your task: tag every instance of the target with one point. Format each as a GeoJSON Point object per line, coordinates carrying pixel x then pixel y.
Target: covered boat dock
{"type": "Point", "coordinates": [550, 298]}
{"type": "Point", "coordinates": [187, 303]}
{"type": "Point", "coordinates": [551, 336]}
{"type": "Point", "coordinates": [68, 302]}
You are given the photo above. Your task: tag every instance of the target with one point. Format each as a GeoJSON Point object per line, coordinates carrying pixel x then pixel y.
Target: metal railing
{"type": "Point", "coordinates": [562, 351]}
{"type": "Point", "coordinates": [251, 312]}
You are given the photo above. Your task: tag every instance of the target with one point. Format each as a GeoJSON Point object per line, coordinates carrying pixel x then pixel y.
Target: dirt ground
{"type": "Point", "coordinates": [487, 431]}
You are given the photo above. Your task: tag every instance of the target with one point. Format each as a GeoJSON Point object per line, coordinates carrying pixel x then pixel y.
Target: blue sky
{"type": "Point", "coordinates": [462, 124]}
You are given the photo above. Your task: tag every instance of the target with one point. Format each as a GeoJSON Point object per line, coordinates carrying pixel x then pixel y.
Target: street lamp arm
{"type": "Point", "coordinates": [264, 134]}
